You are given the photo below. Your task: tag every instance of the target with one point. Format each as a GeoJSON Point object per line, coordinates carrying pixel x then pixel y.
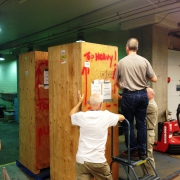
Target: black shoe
{"type": "Point", "coordinates": [142, 156]}
{"type": "Point", "coordinates": [133, 155]}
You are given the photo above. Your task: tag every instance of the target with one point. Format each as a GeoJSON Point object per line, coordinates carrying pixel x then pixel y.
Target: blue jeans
{"type": "Point", "coordinates": [134, 105]}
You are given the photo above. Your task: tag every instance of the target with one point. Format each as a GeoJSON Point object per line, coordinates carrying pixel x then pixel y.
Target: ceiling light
{"type": "Point", "coordinates": [1, 57]}
{"type": "Point", "coordinates": [80, 37]}
{"type": "Point", "coordinates": [30, 48]}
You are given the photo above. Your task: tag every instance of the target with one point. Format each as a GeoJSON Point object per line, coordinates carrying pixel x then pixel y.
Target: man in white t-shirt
{"type": "Point", "coordinates": [90, 157]}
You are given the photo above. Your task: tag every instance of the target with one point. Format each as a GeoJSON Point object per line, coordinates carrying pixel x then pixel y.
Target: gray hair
{"type": "Point", "coordinates": [132, 44]}
{"type": "Point", "coordinates": [96, 99]}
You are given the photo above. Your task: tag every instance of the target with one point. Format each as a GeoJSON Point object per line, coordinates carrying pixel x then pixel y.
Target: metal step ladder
{"type": "Point", "coordinates": [130, 165]}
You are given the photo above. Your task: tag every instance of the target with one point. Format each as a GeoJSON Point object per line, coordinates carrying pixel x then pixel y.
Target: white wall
{"type": "Point", "coordinates": [174, 74]}
{"type": "Point", "coordinates": [8, 76]}
{"type": "Point", "coordinates": [8, 81]}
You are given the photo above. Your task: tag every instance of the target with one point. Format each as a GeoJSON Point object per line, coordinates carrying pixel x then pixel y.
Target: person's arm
{"type": "Point", "coordinates": [150, 109]}
{"type": "Point", "coordinates": [75, 109]}
{"type": "Point", "coordinates": [117, 83]}
{"type": "Point", "coordinates": [153, 79]}
{"type": "Point", "coordinates": [119, 96]}
{"type": "Point", "coordinates": [121, 118]}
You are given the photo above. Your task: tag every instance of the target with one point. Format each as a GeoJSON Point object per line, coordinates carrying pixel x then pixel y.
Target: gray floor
{"type": "Point", "coordinates": [9, 136]}
{"type": "Point", "coordinates": [166, 165]}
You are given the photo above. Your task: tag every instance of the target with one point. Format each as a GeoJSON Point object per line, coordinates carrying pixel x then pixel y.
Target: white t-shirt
{"type": "Point", "coordinates": [93, 134]}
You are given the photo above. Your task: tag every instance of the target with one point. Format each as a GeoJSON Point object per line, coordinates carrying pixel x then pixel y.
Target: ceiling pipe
{"type": "Point", "coordinates": [53, 38]}
{"type": "Point", "coordinates": [5, 2]}
{"type": "Point", "coordinates": [66, 22]}
{"type": "Point", "coordinates": [155, 22]}
{"type": "Point", "coordinates": [98, 10]}
{"type": "Point", "coordinates": [85, 27]}
{"type": "Point", "coordinates": [149, 8]}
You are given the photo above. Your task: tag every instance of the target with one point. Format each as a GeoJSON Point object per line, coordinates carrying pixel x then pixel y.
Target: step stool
{"type": "Point", "coordinates": [130, 165]}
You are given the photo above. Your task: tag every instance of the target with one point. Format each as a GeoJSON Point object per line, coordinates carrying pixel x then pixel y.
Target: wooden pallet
{"type": "Point", "coordinates": [44, 173]}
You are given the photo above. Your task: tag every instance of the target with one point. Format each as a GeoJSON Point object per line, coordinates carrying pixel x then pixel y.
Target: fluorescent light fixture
{"type": "Point", "coordinates": [30, 48]}
{"type": "Point", "coordinates": [80, 37]}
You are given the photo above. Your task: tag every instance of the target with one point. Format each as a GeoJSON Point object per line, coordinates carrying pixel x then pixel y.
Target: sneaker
{"type": "Point", "coordinates": [133, 155]}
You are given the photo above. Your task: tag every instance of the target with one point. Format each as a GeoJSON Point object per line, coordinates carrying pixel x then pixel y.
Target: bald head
{"type": "Point", "coordinates": [96, 101]}
{"type": "Point", "coordinates": [150, 93]}
{"type": "Point", "coordinates": [132, 44]}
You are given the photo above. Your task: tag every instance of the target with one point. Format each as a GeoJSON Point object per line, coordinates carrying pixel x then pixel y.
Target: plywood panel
{"type": "Point", "coordinates": [64, 82]}
{"type": "Point", "coordinates": [67, 74]}
{"type": "Point", "coordinates": [103, 61]}
{"type": "Point", "coordinates": [42, 114]}
{"type": "Point", "coordinates": [26, 110]}
{"type": "Point", "coordinates": [31, 153]}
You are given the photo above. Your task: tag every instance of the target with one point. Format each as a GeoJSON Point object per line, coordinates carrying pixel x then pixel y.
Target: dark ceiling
{"type": "Point", "coordinates": [37, 23]}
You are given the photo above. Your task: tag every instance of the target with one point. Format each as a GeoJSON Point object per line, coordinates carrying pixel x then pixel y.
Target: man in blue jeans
{"type": "Point", "coordinates": [132, 74]}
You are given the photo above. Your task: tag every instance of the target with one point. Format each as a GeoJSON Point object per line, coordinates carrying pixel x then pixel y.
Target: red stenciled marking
{"type": "Point", "coordinates": [100, 57]}
{"type": "Point", "coordinates": [39, 72]}
{"type": "Point", "coordinates": [114, 72]}
{"type": "Point", "coordinates": [115, 105]}
{"type": "Point", "coordinates": [114, 89]}
{"type": "Point", "coordinates": [43, 105]}
{"type": "Point", "coordinates": [87, 55]}
{"type": "Point", "coordinates": [86, 88]}
{"type": "Point", "coordinates": [85, 71]}
{"type": "Point", "coordinates": [115, 55]}
{"type": "Point", "coordinates": [103, 57]}
{"type": "Point", "coordinates": [108, 106]}
{"type": "Point", "coordinates": [111, 63]}
{"type": "Point", "coordinates": [42, 131]}
{"type": "Point", "coordinates": [113, 77]}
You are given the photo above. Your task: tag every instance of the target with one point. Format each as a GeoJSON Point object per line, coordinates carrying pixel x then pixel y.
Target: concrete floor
{"type": "Point", "coordinates": [166, 165]}
{"type": "Point", "coordinates": [9, 136]}
{"type": "Point", "coordinates": [16, 173]}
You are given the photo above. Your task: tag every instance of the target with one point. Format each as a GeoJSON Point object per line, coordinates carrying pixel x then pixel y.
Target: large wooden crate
{"type": "Point", "coordinates": [34, 111]}
{"type": "Point", "coordinates": [72, 67]}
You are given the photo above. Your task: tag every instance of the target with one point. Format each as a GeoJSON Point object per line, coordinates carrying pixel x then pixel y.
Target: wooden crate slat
{"type": "Point", "coordinates": [67, 74]}
{"type": "Point", "coordinates": [32, 155]}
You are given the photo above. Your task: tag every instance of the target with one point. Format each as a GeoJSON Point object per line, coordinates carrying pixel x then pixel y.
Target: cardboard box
{"type": "Point", "coordinates": [9, 115]}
